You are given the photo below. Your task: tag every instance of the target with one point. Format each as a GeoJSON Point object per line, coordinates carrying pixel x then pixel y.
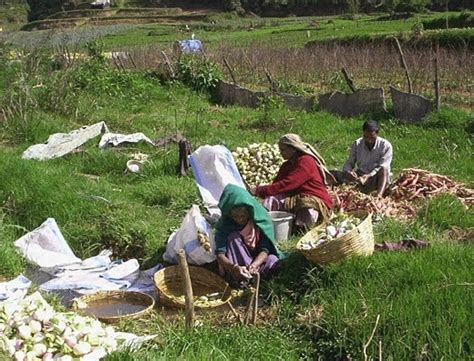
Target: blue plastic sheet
{"type": "Point", "coordinates": [190, 46]}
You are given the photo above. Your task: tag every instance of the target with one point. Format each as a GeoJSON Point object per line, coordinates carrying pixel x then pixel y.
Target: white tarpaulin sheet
{"type": "Point", "coordinates": [117, 139]}
{"type": "Point", "coordinates": [46, 248]}
{"type": "Point", "coordinates": [15, 289]}
{"type": "Point", "coordinates": [60, 144]}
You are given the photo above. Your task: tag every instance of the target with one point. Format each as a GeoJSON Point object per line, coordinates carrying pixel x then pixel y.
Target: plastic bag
{"type": "Point", "coordinates": [214, 168]}
{"type": "Point", "coordinates": [195, 236]}
{"type": "Point", "coordinates": [46, 247]}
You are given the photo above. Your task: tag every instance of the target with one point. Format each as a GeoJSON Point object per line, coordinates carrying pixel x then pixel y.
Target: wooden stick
{"type": "Point", "coordinates": [116, 63]}
{"type": "Point", "coordinates": [370, 339]}
{"type": "Point", "coordinates": [380, 351]}
{"type": "Point", "coordinates": [349, 81]}
{"type": "Point", "coordinates": [436, 81]}
{"type": "Point", "coordinates": [249, 306]}
{"type": "Point", "coordinates": [131, 59]}
{"type": "Point", "coordinates": [237, 316]}
{"type": "Point", "coordinates": [120, 62]}
{"type": "Point", "coordinates": [404, 64]}
{"type": "Point", "coordinates": [230, 70]}
{"type": "Point", "coordinates": [270, 80]}
{"type": "Point", "coordinates": [168, 63]}
{"type": "Point", "coordinates": [188, 289]}
{"type": "Point", "coordinates": [255, 305]}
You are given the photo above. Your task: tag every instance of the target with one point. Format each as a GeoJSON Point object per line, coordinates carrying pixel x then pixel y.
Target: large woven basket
{"type": "Point", "coordinates": [169, 285]}
{"type": "Point", "coordinates": [359, 241]}
{"type": "Point", "coordinates": [140, 298]}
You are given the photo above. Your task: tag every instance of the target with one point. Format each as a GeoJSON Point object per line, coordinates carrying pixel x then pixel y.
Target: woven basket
{"type": "Point", "coordinates": [168, 283]}
{"type": "Point", "coordinates": [359, 241]}
{"type": "Point", "coordinates": [128, 296]}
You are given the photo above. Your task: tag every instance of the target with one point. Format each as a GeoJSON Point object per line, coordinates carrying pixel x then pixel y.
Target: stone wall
{"type": "Point", "coordinates": [410, 107]}
{"type": "Point", "coordinates": [231, 94]}
{"type": "Point", "coordinates": [360, 102]}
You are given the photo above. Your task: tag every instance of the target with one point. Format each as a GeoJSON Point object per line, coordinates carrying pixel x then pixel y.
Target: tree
{"type": "Point", "coordinates": [40, 9]}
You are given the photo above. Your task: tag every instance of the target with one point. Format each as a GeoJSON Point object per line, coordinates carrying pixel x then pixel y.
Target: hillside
{"type": "Point", "coordinates": [394, 305]}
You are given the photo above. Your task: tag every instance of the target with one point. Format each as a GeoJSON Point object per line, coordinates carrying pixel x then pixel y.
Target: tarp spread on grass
{"type": "Point", "coordinates": [117, 139]}
{"type": "Point", "coordinates": [46, 248]}
{"type": "Point", "coordinates": [60, 144]}
{"type": "Point", "coordinates": [15, 289]}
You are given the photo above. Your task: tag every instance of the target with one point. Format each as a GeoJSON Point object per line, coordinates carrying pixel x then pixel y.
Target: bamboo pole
{"type": "Point", "coordinates": [168, 63]}
{"type": "Point", "coordinates": [348, 79]}
{"type": "Point", "coordinates": [270, 80]}
{"type": "Point", "coordinates": [131, 59]}
{"type": "Point", "coordinates": [436, 81]}
{"type": "Point", "coordinates": [230, 70]}
{"type": "Point", "coordinates": [255, 305]}
{"type": "Point", "coordinates": [404, 64]}
{"type": "Point", "coordinates": [248, 308]}
{"type": "Point", "coordinates": [188, 289]}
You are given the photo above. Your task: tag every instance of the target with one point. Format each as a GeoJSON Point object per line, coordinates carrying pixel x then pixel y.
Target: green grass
{"type": "Point", "coordinates": [277, 32]}
{"type": "Point", "coordinates": [12, 16]}
{"type": "Point", "coordinates": [422, 297]}
{"type": "Point", "coordinates": [291, 32]}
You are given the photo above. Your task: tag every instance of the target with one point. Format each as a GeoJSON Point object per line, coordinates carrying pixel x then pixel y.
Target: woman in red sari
{"type": "Point", "coordinates": [300, 185]}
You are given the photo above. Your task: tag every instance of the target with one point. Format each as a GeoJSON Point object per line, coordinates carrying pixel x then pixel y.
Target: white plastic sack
{"type": "Point", "coordinates": [187, 238]}
{"type": "Point", "coordinates": [46, 247]}
{"type": "Point", "coordinates": [214, 168]}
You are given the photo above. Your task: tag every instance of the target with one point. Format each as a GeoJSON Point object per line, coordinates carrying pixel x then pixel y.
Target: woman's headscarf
{"type": "Point", "coordinates": [294, 140]}
{"type": "Point", "coordinates": [234, 196]}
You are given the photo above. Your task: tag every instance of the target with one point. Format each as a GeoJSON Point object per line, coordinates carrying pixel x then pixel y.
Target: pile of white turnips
{"type": "Point", "coordinates": [258, 163]}
{"type": "Point", "coordinates": [31, 330]}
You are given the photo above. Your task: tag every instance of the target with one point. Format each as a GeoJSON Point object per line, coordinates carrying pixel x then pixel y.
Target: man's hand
{"type": "Point", "coordinates": [363, 179]}
{"type": "Point", "coordinates": [241, 273]}
{"type": "Point", "coordinates": [351, 176]}
{"type": "Point", "coordinates": [253, 269]}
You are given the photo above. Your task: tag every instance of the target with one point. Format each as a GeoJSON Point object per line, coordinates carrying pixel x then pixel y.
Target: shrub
{"type": "Point", "coordinates": [463, 20]}
{"type": "Point", "coordinates": [200, 74]}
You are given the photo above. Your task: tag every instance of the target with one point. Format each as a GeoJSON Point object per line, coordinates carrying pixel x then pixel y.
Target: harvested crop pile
{"type": "Point", "coordinates": [411, 186]}
{"type": "Point", "coordinates": [460, 235]}
{"type": "Point", "coordinates": [349, 199]}
{"type": "Point", "coordinates": [414, 184]}
{"type": "Point", "coordinates": [258, 163]}
{"type": "Point", "coordinates": [31, 330]}
{"type": "Point", "coordinates": [339, 225]}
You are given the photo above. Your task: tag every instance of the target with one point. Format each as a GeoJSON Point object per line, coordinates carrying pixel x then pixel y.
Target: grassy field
{"type": "Point", "coordinates": [417, 304]}
{"type": "Point", "coordinates": [304, 55]}
{"type": "Point", "coordinates": [12, 16]}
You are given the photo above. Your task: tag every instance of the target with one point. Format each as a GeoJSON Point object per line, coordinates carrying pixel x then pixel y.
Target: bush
{"type": "Point", "coordinates": [273, 115]}
{"type": "Point", "coordinates": [463, 20]}
{"type": "Point", "coordinates": [200, 74]}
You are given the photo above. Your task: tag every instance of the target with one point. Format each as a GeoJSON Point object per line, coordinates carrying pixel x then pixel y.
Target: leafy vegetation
{"type": "Point", "coordinates": [416, 303]}
{"type": "Point", "coordinates": [199, 73]}
{"type": "Point", "coordinates": [462, 20]}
